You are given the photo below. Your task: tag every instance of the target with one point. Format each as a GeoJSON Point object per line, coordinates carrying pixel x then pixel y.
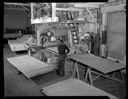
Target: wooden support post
{"type": "Point", "coordinates": [122, 75]}
{"type": "Point", "coordinates": [90, 76]}
{"type": "Point", "coordinates": [96, 77]}
{"type": "Point", "coordinates": [113, 75]}
{"type": "Point", "coordinates": [74, 72]}
{"type": "Point", "coordinates": [85, 79]}
{"type": "Point", "coordinates": [77, 70]}
{"type": "Point", "coordinates": [32, 16]}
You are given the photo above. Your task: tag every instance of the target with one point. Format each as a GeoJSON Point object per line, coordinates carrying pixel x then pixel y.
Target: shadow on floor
{"type": "Point", "coordinates": [45, 78]}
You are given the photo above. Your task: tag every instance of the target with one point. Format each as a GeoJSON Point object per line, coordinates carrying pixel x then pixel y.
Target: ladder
{"type": "Point", "coordinates": [73, 28]}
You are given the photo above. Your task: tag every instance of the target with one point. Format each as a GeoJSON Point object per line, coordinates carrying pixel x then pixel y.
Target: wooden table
{"type": "Point", "coordinates": [74, 87]}
{"type": "Point", "coordinates": [96, 65]}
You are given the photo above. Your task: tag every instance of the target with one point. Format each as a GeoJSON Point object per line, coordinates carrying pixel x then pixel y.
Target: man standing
{"type": "Point", "coordinates": [82, 47]}
{"type": "Point", "coordinates": [29, 43]}
{"type": "Point", "coordinates": [63, 51]}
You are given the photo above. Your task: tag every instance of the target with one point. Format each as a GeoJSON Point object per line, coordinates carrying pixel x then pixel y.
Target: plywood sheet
{"type": "Point", "coordinates": [74, 87]}
{"type": "Point", "coordinates": [100, 64]}
{"type": "Point", "coordinates": [19, 44]}
{"type": "Point", "coordinates": [29, 65]}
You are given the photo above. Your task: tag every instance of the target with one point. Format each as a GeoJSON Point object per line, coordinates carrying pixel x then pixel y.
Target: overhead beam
{"type": "Point", "coordinates": [107, 4]}
{"type": "Point", "coordinates": [17, 8]}
{"type": "Point", "coordinates": [68, 9]}
{"type": "Point", "coordinates": [89, 5]}
{"type": "Point", "coordinates": [18, 4]}
{"type": "Point", "coordinates": [120, 7]}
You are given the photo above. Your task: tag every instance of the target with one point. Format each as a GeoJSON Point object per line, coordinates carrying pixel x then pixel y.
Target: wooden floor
{"type": "Point", "coordinates": [19, 85]}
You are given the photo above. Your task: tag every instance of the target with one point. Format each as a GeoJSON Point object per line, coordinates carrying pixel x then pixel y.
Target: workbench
{"type": "Point", "coordinates": [94, 64]}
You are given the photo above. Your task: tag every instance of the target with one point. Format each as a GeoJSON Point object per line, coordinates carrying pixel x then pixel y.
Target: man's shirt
{"type": "Point", "coordinates": [31, 40]}
{"type": "Point", "coordinates": [63, 49]}
{"type": "Point", "coordinates": [82, 48]}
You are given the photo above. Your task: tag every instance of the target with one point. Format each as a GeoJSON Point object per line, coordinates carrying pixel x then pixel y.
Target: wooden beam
{"type": "Point", "coordinates": [17, 8]}
{"type": "Point", "coordinates": [69, 9]}
{"type": "Point", "coordinates": [90, 5]}
{"type": "Point", "coordinates": [91, 15]}
{"type": "Point", "coordinates": [25, 8]}
{"type": "Point", "coordinates": [27, 14]}
{"type": "Point", "coordinates": [112, 3]}
{"type": "Point", "coordinates": [53, 11]}
{"type": "Point", "coordinates": [119, 7]}
{"type": "Point", "coordinates": [32, 14]}
{"type": "Point", "coordinates": [18, 4]}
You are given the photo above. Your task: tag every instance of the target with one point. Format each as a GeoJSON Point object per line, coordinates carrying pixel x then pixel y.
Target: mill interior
{"type": "Point", "coordinates": [35, 36]}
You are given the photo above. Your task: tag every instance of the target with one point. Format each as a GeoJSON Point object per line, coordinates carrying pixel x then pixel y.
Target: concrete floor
{"type": "Point", "coordinates": [19, 85]}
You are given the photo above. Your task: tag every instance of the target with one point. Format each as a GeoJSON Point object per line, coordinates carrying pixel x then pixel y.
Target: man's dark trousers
{"type": "Point", "coordinates": [61, 63]}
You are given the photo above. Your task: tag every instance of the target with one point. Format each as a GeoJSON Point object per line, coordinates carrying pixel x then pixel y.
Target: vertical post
{"type": "Point", "coordinates": [104, 35]}
{"type": "Point", "coordinates": [38, 38]}
{"type": "Point", "coordinates": [70, 38]}
{"type": "Point", "coordinates": [80, 14]}
{"type": "Point", "coordinates": [35, 30]}
{"type": "Point", "coordinates": [53, 11]}
{"type": "Point", "coordinates": [98, 32]}
{"type": "Point", "coordinates": [77, 70]}
{"type": "Point", "coordinates": [29, 51]}
{"type": "Point", "coordinates": [90, 76]}
{"type": "Point", "coordinates": [32, 16]}
{"type": "Point", "coordinates": [86, 75]}
{"type": "Point", "coordinates": [122, 75]}
{"type": "Point", "coordinates": [74, 72]}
